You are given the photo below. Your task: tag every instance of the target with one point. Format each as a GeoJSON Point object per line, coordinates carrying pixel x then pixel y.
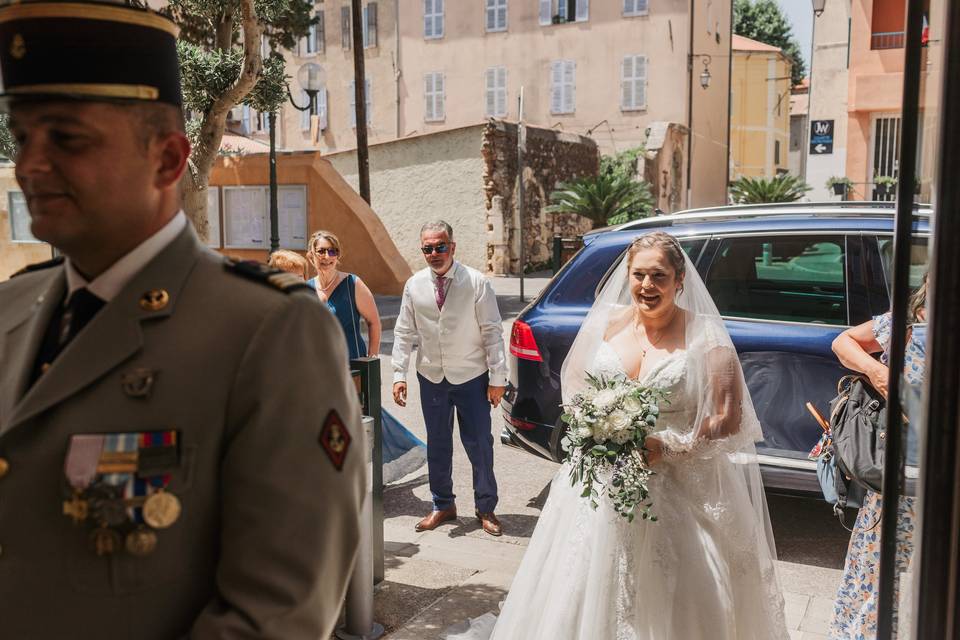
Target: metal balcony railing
{"type": "Point", "coordinates": [887, 40]}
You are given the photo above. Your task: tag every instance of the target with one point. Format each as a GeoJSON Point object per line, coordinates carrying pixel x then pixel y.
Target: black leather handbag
{"type": "Point", "coordinates": [858, 425]}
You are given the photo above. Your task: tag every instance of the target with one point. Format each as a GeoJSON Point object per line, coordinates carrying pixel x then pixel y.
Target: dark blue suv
{"type": "Point", "coordinates": [787, 279]}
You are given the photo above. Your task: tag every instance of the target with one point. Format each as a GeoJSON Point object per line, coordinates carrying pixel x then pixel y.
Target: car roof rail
{"type": "Point", "coordinates": [739, 212]}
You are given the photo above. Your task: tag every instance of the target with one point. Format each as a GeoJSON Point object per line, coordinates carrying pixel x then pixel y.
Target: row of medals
{"type": "Point", "coordinates": [106, 506]}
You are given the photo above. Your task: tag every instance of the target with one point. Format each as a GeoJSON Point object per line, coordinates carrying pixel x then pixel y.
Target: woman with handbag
{"type": "Point", "coordinates": [855, 606]}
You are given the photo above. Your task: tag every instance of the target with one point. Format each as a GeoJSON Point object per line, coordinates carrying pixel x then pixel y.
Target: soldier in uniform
{"type": "Point", "coordinates": [180, 454]}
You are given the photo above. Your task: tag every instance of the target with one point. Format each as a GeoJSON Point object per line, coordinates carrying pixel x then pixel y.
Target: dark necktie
{"type": "Point", "coordinates": [64, 326]}
{"type": "Point", "coordinates": [441, 291]}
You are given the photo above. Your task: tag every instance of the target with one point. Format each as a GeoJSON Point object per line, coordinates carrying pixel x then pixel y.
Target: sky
{"type": "Point", "coordinates": [800, 15]}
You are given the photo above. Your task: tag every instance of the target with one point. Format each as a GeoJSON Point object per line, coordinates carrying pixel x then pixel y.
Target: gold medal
{"type": "Point", "coordinates": [105, 541]}
{"type": "Point", "coordinates": [141, 542]}
{"type": "Point", "coordinates": [77, 508]}
{"type": "Point", "coordinates": [161, 510]}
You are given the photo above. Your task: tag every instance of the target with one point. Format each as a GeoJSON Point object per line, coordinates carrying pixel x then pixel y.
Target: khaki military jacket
{"type": "Point", "coordinates": [248, 376]}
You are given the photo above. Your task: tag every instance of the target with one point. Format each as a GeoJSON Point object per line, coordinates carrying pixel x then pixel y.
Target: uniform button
{"type": "Point", "coordinates": [4, 467]}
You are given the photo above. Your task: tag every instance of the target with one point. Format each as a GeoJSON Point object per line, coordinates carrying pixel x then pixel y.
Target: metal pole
{"type": "Point", "coordinates": [274, 216]}
{"type": "Point", "coordinates": [903, 227]}
{"type": "Point", "coordinates": [359, 87]}
{"type": "Point", "coordinates": [521, 143]}
{"type": "Point", "coordinates": [937, 577]}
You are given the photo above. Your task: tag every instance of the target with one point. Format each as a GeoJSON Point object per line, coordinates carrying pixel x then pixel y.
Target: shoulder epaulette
{"type": "Point", "coordinates": [39, 266]}
{"type": "Point", "coordinates": [260, 272]}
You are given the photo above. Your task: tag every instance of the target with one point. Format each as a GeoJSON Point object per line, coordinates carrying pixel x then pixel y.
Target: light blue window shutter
{"type": "Point", "coordinates": [546, 12]}
{"type": "Point", "coordinates": [304, 115]}
{"type": "Point", "coordinates": [353, 104]}
{"type": "Point", "coordinates": [583, 10]}
{"type": "Point", "coordinates": [626, 83]}
{"type": "Point", "coordinates": [322, 108]}
{"type": "Point", "coordinates": [640, 89]}
{"type": "Point", "coordinates": [570, 84]}
{"type": "Point", "coordinates": [502, 92]}
{"type": "Point", "coordinates": [556, 87]}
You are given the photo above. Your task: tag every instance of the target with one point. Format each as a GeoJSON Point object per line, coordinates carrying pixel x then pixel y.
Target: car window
{"type": "Point", "coordinates": [575, 285]}
{"type": "Point", "coordinates": [796, 278]}
{"type": "Point", "coordinates": [919, 259]}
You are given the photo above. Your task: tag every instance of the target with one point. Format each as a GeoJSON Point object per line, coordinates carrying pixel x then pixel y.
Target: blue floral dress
{"type": "Point", "coordinates": [855, 609]}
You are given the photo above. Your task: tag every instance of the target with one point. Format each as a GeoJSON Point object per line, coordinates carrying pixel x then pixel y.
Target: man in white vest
{"type": "Point", "coordinates": [450, 311]}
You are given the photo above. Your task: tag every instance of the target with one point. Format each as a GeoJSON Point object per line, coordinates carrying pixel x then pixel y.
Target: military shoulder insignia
{"type": "Point", "coordinates": [260, 272]}
{"type": "Point", "coordinates": [335, 439]}
{"type": "Point", "coordinates": [39, 266]}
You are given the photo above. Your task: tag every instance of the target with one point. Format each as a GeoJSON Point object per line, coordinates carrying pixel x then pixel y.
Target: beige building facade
{"type": "Point", "coordinates": [605, 69]}
{"type": "Point", "coordinates": [760, 109]}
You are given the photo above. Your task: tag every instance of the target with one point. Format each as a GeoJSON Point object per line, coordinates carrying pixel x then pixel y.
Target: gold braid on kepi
{"type": "Point", "coordinates": [87, 51]}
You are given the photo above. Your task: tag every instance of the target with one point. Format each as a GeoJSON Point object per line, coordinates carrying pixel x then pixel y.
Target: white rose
{"type": "Point", "coordinates": [619, 420]}
{"type": "Point", "coordinates": [621, 437]}
{"type": "Point", "coordinates": [601, 430]}
{"type": "Point", "coordinates": [632, 405]}
{"type": "Point", "coordinates": [605, 399]}
{"type": "Point", "coordinates": [584, 432]}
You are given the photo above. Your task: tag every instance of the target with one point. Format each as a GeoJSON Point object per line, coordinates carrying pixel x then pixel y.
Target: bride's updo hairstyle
{"type": "Point", "coordinates": [665, 243]}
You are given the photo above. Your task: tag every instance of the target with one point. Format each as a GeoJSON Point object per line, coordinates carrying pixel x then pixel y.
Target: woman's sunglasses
{"type": "Point", "coordinates": [323, 251]}
{"type": "Point", "coordinates": [440, 248]}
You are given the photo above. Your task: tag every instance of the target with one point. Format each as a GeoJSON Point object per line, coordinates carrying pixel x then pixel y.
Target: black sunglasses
{"type": "Point", "coordinates": [440, 248]}
{"type": "Point", "coordinates": [323, 251]}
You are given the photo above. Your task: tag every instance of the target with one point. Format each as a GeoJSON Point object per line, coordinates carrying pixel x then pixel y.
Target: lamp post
{"type": "Point", "coordinates": [818, 7]}
{"type": "Point", "coordinates": [312, 79]}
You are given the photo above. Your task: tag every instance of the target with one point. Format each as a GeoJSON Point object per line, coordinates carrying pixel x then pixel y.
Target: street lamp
{"type": "Point", "coordinates": [312, 79]}
{"type": "Point", "coordinates": [705, 76]}
{"type": "Point", "coordinates": [818, 7]}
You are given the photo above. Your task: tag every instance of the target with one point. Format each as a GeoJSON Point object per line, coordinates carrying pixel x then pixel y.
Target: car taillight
{"type": "Point", "coordinates": [522, 343]}
{"type": "Point", "coordinates": [523, 425]}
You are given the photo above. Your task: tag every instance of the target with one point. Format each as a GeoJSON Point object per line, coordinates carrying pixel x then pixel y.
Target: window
{"type": "Point", "coordinates": [635, 7]}
{"type": "Point", "coordinates": [795, 278]}
{"type": "Point", "coordinates": [370, 25]}
{"type": "Point", "coordinates": [322, 108]}
{"type": "Point", "coordinates": [496, 92]}
{"type": "Point", "coordinates": [305, 115]}
{"type": "Point", "coordinates": [246, 214]}
{"type": "Point", "coordinates": [432, 19]}
{"type": "Point", "coordinates": [263, 121]}
{"type": "Point", "coordinates": [19, 218]}
{"type": "Point", "coordinates": [562, 86]}
{"type": "Point", "coordinates": [558, 11]}
{"type": "Point", "coordinates": [496, 15]}
{"type": "Point", "coordinates": [346, 36]}
{"type": "Point", "coordinates": [633, 83]}
{"type": "Point", "coordinates": [366, 102]}
{"type": "Point", "coordinates": [433, 94]}
{"type": "Point", "coordinates": [313, 42]}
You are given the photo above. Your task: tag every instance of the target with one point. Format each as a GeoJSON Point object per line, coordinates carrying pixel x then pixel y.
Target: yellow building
{"type": "Point", "coordinates": [759, 109]}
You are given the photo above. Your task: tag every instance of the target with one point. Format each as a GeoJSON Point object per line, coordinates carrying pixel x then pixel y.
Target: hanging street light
{"type": "Point", "coordinates": [818, 7]}
{"type": "Point", "coordinates": [312, 79]}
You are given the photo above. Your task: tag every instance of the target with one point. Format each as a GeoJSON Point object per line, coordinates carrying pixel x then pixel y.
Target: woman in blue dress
{"type": "Point", "coordinates": [350, 299]}
{"type": "Point", "coordinates": [855, 607]}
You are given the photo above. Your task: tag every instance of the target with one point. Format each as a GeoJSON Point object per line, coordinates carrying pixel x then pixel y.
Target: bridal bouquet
{"type": "Point", "coordinates": [608, 424]}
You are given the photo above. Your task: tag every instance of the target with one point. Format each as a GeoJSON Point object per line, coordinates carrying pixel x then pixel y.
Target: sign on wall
{"type": "Point", "coordinates": [246, 217]}
{"type": "Point", "coordinates": [19, 217]}
{"type": "Point", "coordinates": [821, 137]}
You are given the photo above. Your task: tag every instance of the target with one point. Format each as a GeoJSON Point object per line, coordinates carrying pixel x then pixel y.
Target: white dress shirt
{"type": "Point", "coordinates": [458, 343]}
{"type": "Point", "coordinates": [108, 284]}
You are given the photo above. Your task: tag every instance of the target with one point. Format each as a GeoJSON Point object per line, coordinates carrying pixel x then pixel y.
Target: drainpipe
{"type": "Point", "coordinates": [690, 109]}
{"type": "Point", "coordinates": [397, 74]}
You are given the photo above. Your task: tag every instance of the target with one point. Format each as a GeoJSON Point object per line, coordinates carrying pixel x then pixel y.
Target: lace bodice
{"type": "Point", "coordinates": [678, 410]}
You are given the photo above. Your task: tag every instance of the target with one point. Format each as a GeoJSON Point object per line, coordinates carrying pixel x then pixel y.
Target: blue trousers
{"type": "Point", "coordinates": [469, 400]}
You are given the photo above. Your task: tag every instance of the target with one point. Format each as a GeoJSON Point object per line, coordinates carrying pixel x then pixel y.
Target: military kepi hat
{"type": "Point", "coordinates": [87, 51]}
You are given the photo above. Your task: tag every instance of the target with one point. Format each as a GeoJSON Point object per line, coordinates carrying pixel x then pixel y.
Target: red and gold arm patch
{"type": "Point", "coordinates": [335, 439]}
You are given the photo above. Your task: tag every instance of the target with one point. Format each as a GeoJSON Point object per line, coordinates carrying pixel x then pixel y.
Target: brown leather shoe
{"type": "Point", "coordinates": [490, 523]}
{"type": "Point", "coordinates": [436, 518]}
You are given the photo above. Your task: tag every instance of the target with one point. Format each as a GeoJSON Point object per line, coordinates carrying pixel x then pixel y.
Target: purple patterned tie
{"type": "Point", "coordinates": [441, 291]}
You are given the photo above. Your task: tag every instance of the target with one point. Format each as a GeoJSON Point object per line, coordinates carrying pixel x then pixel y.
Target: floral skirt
{"type": "Point", "coordinates": [855, 608]}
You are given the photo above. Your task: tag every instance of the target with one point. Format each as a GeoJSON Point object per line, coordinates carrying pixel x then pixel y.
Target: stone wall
{"type": "Point", "coordinates": [424, 178]}
{"type": "Point", "coordinates": [551, 157]}
{"type": "Point", "coordinates": [15, 255]}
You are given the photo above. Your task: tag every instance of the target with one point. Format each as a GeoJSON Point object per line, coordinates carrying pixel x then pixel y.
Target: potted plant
{"type": "Point", "coordinates": [885, 185]}
{"type": "Point", "coordinates": [839, 184]}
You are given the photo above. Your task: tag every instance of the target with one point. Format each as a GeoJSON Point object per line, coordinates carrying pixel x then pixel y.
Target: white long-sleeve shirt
{"type": "Point", "coordinates": [460, 342]}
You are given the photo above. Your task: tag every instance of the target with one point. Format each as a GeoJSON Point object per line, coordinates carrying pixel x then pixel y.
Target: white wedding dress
{"type": "Point", "coordinates": [701, 571]}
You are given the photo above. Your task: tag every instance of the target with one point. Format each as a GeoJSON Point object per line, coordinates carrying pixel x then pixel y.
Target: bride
{"type": "Point", "coordinates": [705, 568]}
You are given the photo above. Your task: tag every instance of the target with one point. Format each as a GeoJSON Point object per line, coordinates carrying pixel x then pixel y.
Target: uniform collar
{"type": "Point", "coordinates": [108, 284]}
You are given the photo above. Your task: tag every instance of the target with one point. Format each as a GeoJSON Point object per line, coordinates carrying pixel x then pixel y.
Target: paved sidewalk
{"type": "Point", "coordinates": [439, 578]}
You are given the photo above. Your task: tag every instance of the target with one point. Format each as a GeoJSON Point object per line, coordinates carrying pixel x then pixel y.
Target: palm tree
{"type": "Point", "coordinates": [782, 188]}
{"type": "Point", "coordinates": [605, 199]}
